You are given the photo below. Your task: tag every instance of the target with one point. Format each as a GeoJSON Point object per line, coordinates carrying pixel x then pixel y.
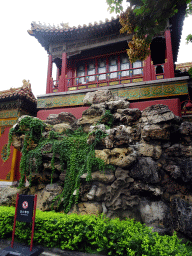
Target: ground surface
{"type": "Point", "coordinates": [48, 251]}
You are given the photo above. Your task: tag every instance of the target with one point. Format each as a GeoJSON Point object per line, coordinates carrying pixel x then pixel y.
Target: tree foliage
{"type": "Point", "coordinates": [145, 19]}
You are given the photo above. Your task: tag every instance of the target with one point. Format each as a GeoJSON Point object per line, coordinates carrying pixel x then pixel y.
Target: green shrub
{"type": "Point", "coordinates": [89, 233]}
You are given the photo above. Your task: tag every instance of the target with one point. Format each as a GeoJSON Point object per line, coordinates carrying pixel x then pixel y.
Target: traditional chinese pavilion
{"type": "Point", "coordinates": [13, 104]}
{"type": "Point", "coordinates": [93, 57]}
{"type": "Point", "coordinates": [89, 58]}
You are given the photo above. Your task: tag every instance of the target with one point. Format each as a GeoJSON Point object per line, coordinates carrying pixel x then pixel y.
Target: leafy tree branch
{"type": "Point", "coordinates": [145, 19]}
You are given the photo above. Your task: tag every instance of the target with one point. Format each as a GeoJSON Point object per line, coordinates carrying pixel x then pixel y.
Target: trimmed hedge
{"type": "Point", "coordinates": [87, 233]}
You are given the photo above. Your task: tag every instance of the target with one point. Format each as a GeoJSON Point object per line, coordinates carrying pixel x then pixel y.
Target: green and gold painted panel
{"type": "Point", "coordinates": [8, 113]}
{"type": "Point", "coordinates": [136, 92]}
{"type": "Point", "coordinates": [61, 101]}
{"type": "Point", "coordinates": [8, 122]}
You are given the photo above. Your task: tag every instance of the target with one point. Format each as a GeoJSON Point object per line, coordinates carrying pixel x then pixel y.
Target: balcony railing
{"type": "Point", "coordinates": [126, 76]}
{"type": "Point", "coordinates": [105, 79]}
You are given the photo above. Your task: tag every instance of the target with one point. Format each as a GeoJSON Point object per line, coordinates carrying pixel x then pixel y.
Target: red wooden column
{"type": "Point", "coordinates": [49, 88]}
{"type": "Point", "coordinates": [62, 80]}
{"type": "Point", "coordinates": [169, 65]}
{"type": "Point", "coordinates": [147, 69]}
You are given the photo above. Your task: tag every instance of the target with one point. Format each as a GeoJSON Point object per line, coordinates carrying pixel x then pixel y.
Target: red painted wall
{"type": "Point", "coordinates": [76, 111]}
{"type": "Point", "coordinates": [5, 167]}
{"type": "Point", "coordinates": [173, 104]}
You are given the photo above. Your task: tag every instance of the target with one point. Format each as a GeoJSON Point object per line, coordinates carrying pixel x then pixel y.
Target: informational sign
{"type": "Point", "coordinates": [25, 212]}
{"type": "Point", "coordinates": [25, 208]}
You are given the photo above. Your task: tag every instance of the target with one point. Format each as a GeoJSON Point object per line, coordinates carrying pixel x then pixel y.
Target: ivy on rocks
{"type": "Point", "coordinates": [72, 148]}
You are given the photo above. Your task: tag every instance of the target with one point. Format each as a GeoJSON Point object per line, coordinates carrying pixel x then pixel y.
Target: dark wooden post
{"type": "Point", "coordinates": [49, 88]}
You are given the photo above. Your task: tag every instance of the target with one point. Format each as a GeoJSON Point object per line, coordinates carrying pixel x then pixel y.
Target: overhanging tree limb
{"type": "Point", "coordinates": [145, 19]}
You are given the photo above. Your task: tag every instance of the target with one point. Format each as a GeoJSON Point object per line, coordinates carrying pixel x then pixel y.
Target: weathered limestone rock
{"type": "Point", "coordinates": [186, 169]}
{"type": "Point", "coordinates": [118, 195]}
{"type": "Point", "coordinates": [154, 214]}
{"type": "Point", "coordinates": [121, 157]}
{"type": "Point", "coordinates": [123, 176]}
{"type": "Point", "coordinates": [116, 137]}
{"type": "Point", "coordinates": [174, 170]}
{"type": "Point", "coordinates": [127, 116]}
{"type": "Point", "coordinates": [43, 177]}
{"type": "Point", "coordinates": [53, 188]}
{"type": "Point", "coordinates": [103, 154]}
{"type": "Point", "coordinates": [91, 116]}
{"type": "Point", "coordinates": [156, 132]}
{"type": "Point", "coordinates": [186, 129]}
{"type": "Point", "coordinates": [17, 141]}
{"type": "Point", "coordinates": [156, 114]}
{"type": "Point", "coordinates": [46, 196]}
{"type": "Point", "coordinates": [87, 208]}
{"type": "Point", "coordinates": [63, 117]}
{"type": "Point", "coordinates": [100, 193]}
{"type": "Point", "coordinates": [8, 195]}
{"type": "Point", "coordinates": [92, 192]}
{"type": "Point", "coordinates": [179, 150]}
{"type": "Point", "coordinates": [60, 128]}
{"type": "Point", "coordinates": [122, 199]}
{"type": "Point", "coordinates": [117, 104]}
{"type": "Point", "coordinates": [140, 187]}
{"type": "Point", "coordinates": [52, 119]}
{"type": "Point", "coordinates": [67, 118]}
{"type": "Point", "coordinates": [57, 166]}
{"type": "Point", "coordinates": [150, 150]}
{"type": "Point", "coordinates": [145, 169]}
{"type": "Point", "coordinates": [102, 96]}
{"type": "Point", "coordinates": [97, 97]}
{"type": "Point", "coordinates": [107, 177]}
{"type": "Point", "coordinates": [182, 216]}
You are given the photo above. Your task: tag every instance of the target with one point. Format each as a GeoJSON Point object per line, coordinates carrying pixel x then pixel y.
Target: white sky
{"type": "Point", "coordinates": [22, 57]}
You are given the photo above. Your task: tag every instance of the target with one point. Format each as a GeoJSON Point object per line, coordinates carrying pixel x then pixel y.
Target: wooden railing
{"type": "Point", "coordinates": [76, 83]}
{"type": "Point", "coordinates": [109, 78]}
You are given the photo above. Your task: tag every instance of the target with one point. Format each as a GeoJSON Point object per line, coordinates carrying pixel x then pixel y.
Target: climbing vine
{"type": "Point", "coordinates": [80, 158]}
{"type": "Point", "coordinates": [76, 155]}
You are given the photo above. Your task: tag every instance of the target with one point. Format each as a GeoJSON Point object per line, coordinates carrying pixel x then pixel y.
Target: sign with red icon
{"type": "Point", "coordinates": [25, 212]}
{"type": "Point", "coordinates": [25, 208]}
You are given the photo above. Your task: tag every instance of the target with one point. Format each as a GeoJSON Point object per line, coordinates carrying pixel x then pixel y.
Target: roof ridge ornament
{"type": "Point", "coordinates": [65, 25]}
{"type": "Point", "coordinates": [26, 84]}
